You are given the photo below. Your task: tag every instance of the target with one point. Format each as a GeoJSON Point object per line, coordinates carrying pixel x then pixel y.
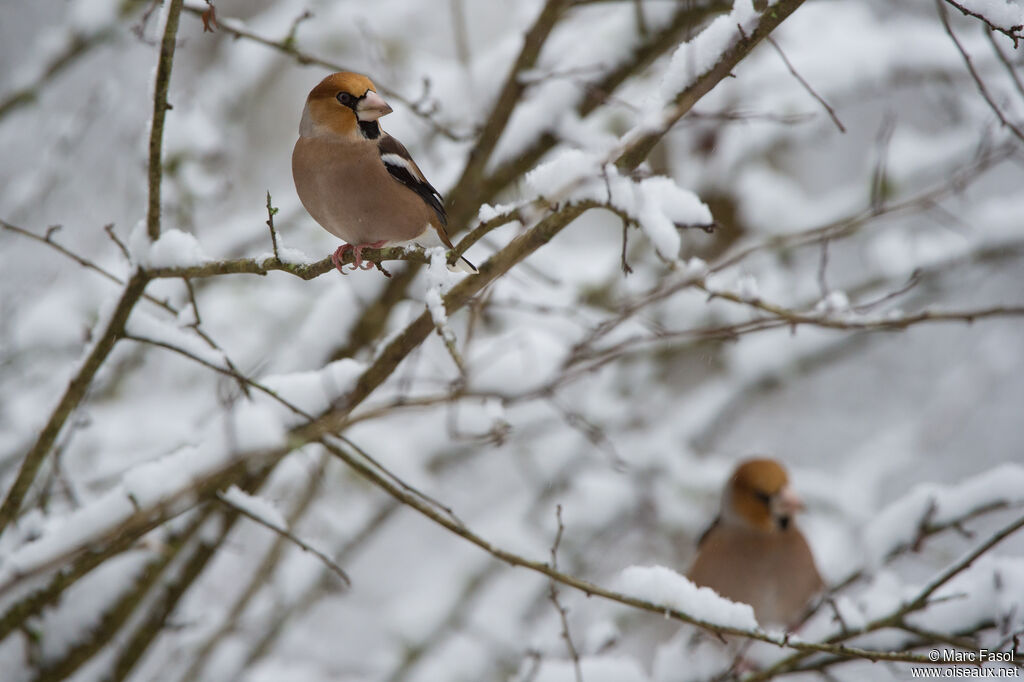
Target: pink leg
{"type": "Point", "coordinates": [357, 255]}
{"type": "Point", "coordinates": [338, 255]}
{"type": "Point", "coordinates": [357, 259]}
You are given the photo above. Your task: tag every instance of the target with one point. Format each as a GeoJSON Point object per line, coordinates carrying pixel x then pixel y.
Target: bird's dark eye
{"type": "Point", "coordinates": [763, 497]}
{"type": "Point", "coordinates": [346, 99]}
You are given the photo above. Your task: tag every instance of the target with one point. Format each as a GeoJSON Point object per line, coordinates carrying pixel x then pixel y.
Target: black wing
{"type": "Point", "coordinates": [402, 168]}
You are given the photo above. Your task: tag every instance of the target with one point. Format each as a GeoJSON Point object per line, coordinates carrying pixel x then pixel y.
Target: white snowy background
{"type": "Point", "coordinates": [619, 399]}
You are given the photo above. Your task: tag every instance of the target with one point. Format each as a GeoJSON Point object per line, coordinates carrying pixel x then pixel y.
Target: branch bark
{"type": "Point", "coordinates": [160, 107]}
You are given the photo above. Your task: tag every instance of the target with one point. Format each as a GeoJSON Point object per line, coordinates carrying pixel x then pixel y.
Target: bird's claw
{"type": "Point", "coordinates": [357, 257]}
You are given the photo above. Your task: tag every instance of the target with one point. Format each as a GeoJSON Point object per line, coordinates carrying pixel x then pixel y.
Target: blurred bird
{"type": "Point", "coordinates": [753, 552]}
{"type": "Point", "coordinates": [357, 181]}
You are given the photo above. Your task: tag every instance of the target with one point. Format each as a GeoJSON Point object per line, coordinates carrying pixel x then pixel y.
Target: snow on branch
{"type": "Point", "coordinates": [656, 204]}
{"type": "Point", "coordinates": [1004, 16]}
{"type": "Point", "coordinates": [932, 506]}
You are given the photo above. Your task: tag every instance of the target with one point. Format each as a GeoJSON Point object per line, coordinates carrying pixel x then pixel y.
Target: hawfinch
{"type": "Point", "coordinates": [357, 181]}
{"type": "Point", "coordinates": [753, 552]}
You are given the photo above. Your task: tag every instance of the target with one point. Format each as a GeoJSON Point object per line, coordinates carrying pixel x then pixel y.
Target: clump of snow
{"type": "Point", "coordinates": [173, 249]}
{"type": "Point", "coordinates": [489, 212]}
{"type": "Point", "coordinates": [288, 255]}
{"type": "Point", "coordinates": [665, 587]}
{"type": "Point", "coordinates": [315, 391]}
{"type": "Point", "coordinates": [834, 301]}
{"type": "Point", "coordinates": [657, 203]}
{"type": "Point", "coordinates": [255, 506]}
{"type": "Point", "coordinates": [696, 57]}
{"type": "Point", "coordinates": [552, 178]}
{"type": "Point", "coordinates": [695, 267]}
{"type": "Point", "coordinates": [437, 277]}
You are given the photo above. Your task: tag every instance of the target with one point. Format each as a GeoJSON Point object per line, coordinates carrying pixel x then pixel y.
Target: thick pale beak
{"type": "Point", "coordinates": [786, 503]}
{"type": "Point", "coordinates": [371, 107]}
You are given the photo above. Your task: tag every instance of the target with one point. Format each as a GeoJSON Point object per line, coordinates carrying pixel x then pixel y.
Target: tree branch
{"type": "Point", "coordinates": [73, 395]}
{"type": "Point", "coordinates": [160, 107]}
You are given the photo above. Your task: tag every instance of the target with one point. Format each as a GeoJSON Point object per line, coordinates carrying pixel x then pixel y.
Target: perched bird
{"type": "Point", "coordinates": [753, 552]}
{"type": "Point", "coordinates": [357, 181]}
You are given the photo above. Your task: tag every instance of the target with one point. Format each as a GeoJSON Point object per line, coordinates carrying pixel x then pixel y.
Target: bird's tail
{"type": "Point", "coordinates": [430, 239]}
{"type": "Point", "coordinates": [463, 265]}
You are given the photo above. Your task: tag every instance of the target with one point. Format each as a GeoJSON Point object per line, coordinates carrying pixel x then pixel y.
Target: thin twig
{"type": "Point", "coordinates": [974, 74]}
{"type": "Point", "coordinates": [1010, 69]}
{"type": "Point", "coordinates": [291, 537]}
{"type": "Point", "coordinates": [553, 595]}
{"type": "Point", "coordinates": [271, 212]}
{"type": "Point", "coordinates": [807, 86]}
{"type": "Point", "coordinates": [1014, 33]}
{"type": "Point", "coordinates": [84, 262]}
{"type": "Point", "coordinates": [592, 589]}
{"type": "Point", "coordinates": [109, 229]}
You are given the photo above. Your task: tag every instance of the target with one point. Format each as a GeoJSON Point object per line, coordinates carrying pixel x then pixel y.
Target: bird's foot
{"type": "Point", "coordinates": [357, 256]}
{"type": "Point", "coordinates": [339, 255]}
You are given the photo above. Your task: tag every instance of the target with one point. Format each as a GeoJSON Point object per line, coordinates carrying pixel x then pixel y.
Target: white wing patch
{"type": "Point", "coordinates": [401, 162]}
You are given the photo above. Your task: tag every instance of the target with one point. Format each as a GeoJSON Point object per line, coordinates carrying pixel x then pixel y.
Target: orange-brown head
{"type": "Point", "coordinates": [344, 103]}
{"type": "Point", "coordinates": [758, 495]}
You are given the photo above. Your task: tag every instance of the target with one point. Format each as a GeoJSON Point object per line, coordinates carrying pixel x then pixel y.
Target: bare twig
{"type": "Point", "coordinates": [593, 589]}
{"type": "Point", "coordinates": [291, 537]}
{"type": "Point", "coordinates": [1014, 33]}
{"type": "Point", "coordinates": [807, 86]}
{"type": "Point", "coordinates": [271, 212]}
{"type": "Point", "coordinates": [974, 74]}
{"type": "Point", "coordinates": [1017, 83]}
{"type": "Point", "coordinates": [84, 262]}
{"type": "Point", "coordinates": [109, 229]}
{"type": "Point", "coordinates": [553, 595]}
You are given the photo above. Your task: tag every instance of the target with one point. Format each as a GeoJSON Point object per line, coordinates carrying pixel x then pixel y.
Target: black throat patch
{"type": "Point", "coordinates": [369, 129]}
